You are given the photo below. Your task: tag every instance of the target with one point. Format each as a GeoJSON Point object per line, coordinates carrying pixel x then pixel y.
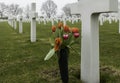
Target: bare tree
{"type": "Point", "coordinates": [14, 9]}
{"type": "Point", "coordinates": [66, 10]}
{"type": "Point", "coordinates": [26, 11]}
{"type": "Point", "coordinates": [3, 9]}
{"type": "Point", "coordinates": [49, 8]}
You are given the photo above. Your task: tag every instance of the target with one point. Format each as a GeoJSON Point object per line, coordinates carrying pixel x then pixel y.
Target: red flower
{"type": "Point", "coordinates": [76, 35]}
{"type": "Point", "coordinates": [65, 36]}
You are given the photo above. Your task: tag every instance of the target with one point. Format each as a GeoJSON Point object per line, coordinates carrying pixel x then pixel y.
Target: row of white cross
{"type": "Point", "coordinates": [102, 19]}
{"type": "Point", "coordinates": [110, 19]}
{"type": "Point", "coordinates": [89, 11]}
{"type": "Point", "coordinates": [52, 20]}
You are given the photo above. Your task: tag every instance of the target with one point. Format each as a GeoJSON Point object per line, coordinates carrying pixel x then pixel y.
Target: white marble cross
{"type": "Point", "coordinates": [52, 21]}
{"type": "Point", "coordinates": [72, 20]}
{"type": "Point", "coordinates": [39, 20]}
{"type": "Point", "coordinates": [64, 20]}
{"type": "Point", "coordinates": [20, 24]}
{"type": "Point", "coordinates": [33, 22]}
{"type": "Point", "coordinates": [90, 10]}
{"type": "Point", "coordinates": [10, 21]}
{"type": "Point", "coordinates": [101, 17]}
{"type": "Point", "coordinates": [109, 20]}
{"type": "Point", "coordinates": [119, 20]}
{"type": "Point", "coordinates": [15, 23]}
{"type": "Point", "coordinates": [44, 20]}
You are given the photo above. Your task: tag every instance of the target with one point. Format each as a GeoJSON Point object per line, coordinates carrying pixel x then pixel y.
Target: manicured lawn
{"type": "Point", "coordinates": [23, 62]}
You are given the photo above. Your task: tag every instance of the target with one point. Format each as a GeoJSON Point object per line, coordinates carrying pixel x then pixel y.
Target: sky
{"type": "Point", "coordinates": [60, 3]}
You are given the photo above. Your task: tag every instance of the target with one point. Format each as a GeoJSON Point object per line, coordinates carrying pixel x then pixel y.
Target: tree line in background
{"type": "Point", "coordinates": [49, 9]}
{"type": "Point", "coordinates": [12, 9]}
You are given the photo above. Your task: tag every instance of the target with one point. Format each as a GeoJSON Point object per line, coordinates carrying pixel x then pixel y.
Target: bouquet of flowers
{"type": "Point", "coordinates": [62, 39]}
{"type": "Point", "coordinates": [63, 36]}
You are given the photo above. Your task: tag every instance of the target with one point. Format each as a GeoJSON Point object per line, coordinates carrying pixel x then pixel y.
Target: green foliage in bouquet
{"type": "Point", "coordinates": [62, 36]}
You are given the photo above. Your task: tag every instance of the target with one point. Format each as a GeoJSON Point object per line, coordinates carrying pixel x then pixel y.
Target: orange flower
{"type": "Point", "coordinates": [60, 25]}
{"type": "Point", "coordinates": [75, 30]}
{"type": "Point", "coordinates": [66, 28]}
{"type": "Point", "coordinates": [58, 43]}
{"type": "Point", "coordinates": [53, 28]}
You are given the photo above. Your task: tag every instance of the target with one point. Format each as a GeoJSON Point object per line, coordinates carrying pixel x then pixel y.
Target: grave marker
{"type": "Point", "coordinates": [11, 22]}
{"type": "Point", "coordinates": [52, 21]}
{"type": "Point", "coordinates": [33, 22]}
{"type": "Point", "coordinates": [44, 20]}
{"type": "Point", "coordinates": [15, 23]}
{"type": "Point", "coordinates": [20, 24]}
{"type": "Point", "coordinates": [90, 10]}
{"type": "Point", "coordinates": [119, 20]}
{"type": "Point", "coordinates": [72, 20]}
{"type": "Point", "coordinates": [64, 20]}
{"type": "Point", "coordinates": [101, 20]}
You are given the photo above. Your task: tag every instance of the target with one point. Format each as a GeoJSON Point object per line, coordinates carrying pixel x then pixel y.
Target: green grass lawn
{"type": "Point", "coordinates": [23, 62]}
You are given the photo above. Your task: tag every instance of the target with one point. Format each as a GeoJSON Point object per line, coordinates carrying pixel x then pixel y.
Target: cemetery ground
{"type": "Point", "coordinates": [23, 62]}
